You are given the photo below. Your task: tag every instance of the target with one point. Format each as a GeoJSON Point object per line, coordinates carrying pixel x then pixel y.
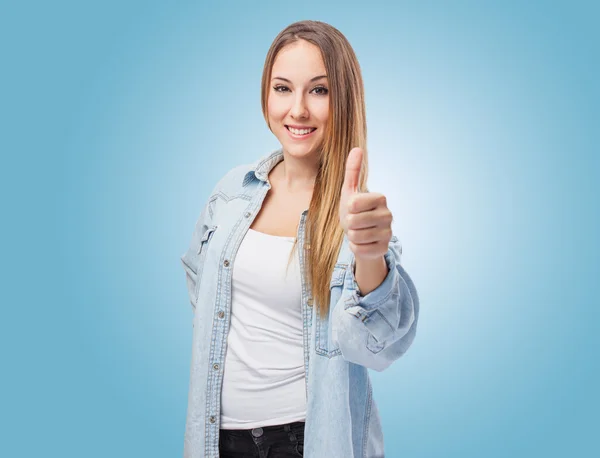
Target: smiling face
{"type": "Point", "coordinates": [298, 101]}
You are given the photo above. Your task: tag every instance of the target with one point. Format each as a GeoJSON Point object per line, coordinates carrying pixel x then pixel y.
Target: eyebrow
{"type": "Point", "coordinates": [312, 79]}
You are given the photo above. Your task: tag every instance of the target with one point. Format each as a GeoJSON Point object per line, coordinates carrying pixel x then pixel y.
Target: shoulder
{"type": "Point", "coordinates": [232, 181]}
{"type": "Point", "coordinates": [235, 181]}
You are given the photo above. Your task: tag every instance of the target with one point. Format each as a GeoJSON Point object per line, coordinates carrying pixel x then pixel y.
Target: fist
{"type": "Point", "coordinates": [364, 216]}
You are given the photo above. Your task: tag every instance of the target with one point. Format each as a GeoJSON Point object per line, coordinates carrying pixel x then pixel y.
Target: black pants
{"type": "Point", "coordinates": [278, 441]}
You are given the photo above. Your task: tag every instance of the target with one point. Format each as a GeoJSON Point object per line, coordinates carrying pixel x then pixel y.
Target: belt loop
{"type": "Point", "coordinates": [288, 428]}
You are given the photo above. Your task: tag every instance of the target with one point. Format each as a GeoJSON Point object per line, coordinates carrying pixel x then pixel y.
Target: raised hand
{"type": "Point", "coordinates": [364, 216]}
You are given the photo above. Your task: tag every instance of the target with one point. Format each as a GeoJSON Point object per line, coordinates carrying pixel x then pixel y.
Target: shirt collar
{"type": "Point", "coordinates": [261, 168]}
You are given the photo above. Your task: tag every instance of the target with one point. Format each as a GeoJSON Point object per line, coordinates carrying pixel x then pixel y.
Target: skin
{"type": "Point", "coordinates": [298, 102]}
{"type": "Point", "coordinates": [367, 223]}
{"type": "Point", "coordinates": [301, 101]}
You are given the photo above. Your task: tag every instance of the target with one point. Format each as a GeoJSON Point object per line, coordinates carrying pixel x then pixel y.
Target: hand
{"type": "Point", "coordinates": [365, 218]}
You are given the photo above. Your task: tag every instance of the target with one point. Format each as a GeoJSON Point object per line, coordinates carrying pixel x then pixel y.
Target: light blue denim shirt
{"type": "Point", "coordinates": [360, 333]}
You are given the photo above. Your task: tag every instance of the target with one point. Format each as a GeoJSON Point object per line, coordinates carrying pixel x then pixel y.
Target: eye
{"type": "Point", "coordinates": [320, 90]}
{"type": "Point", "coordinates": [325, 91]}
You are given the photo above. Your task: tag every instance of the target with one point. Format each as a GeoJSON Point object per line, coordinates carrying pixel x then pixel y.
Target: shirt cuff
{"type": "Point", "coordinates": [380, 294]}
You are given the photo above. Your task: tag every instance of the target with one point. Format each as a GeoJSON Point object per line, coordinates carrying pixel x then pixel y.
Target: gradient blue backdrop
{"type": "Point", "coordinates": [119, 117]}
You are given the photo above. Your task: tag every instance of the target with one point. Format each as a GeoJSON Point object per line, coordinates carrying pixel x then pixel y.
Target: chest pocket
{"type": "Point", "coordinates": [323, 343]}
{"type": "Point", "coordinates": [202, 249]}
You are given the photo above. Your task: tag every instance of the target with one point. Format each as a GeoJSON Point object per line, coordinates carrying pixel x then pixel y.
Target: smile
{"type": "Point", "coordinates": [300, 133]}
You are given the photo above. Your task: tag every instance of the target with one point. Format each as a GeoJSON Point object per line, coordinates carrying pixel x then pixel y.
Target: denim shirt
{"type": "Point", "coordinates": [359, 333]}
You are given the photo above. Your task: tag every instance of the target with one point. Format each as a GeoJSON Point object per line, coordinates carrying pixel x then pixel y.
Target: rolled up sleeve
{"type": "Point", "coordinates": [376, 329]}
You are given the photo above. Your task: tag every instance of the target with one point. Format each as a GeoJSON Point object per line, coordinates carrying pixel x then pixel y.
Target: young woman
{"type": "Point", "coordinates": [294, 274]}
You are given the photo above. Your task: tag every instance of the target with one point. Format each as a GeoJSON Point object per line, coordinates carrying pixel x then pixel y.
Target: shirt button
{"type": "Point", "coordinates": [212, 419]}
{"type": "Point", "coordinates": [310, 301]}
{"type": "Point", "coordinates": [221, 314]}
{"type": "Point", "coordinates": [226, 263]}
{"type": "Point", "coordinates": [216, 367]}
{"type": "Point", "coordinates": [247, 214]}
{"type": "Point", "coordinates": [257, 432]}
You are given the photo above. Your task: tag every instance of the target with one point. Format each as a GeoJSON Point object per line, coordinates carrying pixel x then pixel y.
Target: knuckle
{"type": "Point", "coordinates": [350, 221]}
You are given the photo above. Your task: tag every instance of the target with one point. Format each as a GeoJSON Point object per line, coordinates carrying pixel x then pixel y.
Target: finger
{"type": "Point", "coordinates": [371, 218]}
{"type": "Point", "coordinates": [353, 166]}
{"type": "Point", "coordinates": [370, 235]}
{"type": "Point", "coordinates": [366, 201]}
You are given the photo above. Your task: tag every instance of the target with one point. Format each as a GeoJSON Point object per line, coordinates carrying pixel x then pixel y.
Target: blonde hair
{"type": "Point", "coordinates": [346, 128]}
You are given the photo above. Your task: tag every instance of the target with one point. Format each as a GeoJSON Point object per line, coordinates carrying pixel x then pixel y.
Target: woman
{"type": "Point", "coordinates": [294, 274]}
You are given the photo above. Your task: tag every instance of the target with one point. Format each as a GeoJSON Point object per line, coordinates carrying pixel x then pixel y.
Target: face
{"type": "Point", "coordinates": [298, 98]}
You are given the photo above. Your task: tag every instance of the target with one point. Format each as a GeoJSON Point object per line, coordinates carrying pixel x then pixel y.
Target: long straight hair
{"type": "Point", "coordinates": [346, 128]}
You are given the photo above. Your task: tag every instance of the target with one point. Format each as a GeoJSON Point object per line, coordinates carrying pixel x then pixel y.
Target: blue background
{"type": "Point", "coordinates": [118, 118]}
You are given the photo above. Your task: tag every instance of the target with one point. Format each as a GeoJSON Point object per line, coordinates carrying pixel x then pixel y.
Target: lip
{"type": "Point", "coordinates": [299, 127]}
{"type": "Point", "coordinates": [299, 137]}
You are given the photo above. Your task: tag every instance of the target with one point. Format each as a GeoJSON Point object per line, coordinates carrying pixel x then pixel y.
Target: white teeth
{"type": "Point", "coordinates": [300, 131]}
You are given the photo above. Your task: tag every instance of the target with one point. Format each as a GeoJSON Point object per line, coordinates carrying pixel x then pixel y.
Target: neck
{"type": "Point", "coordinates": [297, 174]}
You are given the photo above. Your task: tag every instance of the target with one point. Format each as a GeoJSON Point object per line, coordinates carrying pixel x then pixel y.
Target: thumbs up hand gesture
{"type": "Point", "coordinates": [365, 218]}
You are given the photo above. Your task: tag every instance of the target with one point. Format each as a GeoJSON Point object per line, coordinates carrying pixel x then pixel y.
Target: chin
{"type": "Point", "coordinates": [297, 150]}
{"type": "Point", "coordinates": [300, 149]}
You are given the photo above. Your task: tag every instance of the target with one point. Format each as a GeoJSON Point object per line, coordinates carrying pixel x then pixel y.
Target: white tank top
{"type": "Point", "coordinates": [263, 378]}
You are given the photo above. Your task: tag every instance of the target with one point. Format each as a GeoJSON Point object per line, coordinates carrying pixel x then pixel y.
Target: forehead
{"type": "Point", "coordinates": [299, 60]}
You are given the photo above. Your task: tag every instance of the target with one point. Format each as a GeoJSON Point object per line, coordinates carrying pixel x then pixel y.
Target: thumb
{"type": "Point", "coordinates": [353, 166]}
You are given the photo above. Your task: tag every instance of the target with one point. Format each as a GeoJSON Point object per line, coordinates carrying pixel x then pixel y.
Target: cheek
{"type": "Point", "coordinates": [275, 108]}
{"type": "Point", "coordinates": [321, 111]}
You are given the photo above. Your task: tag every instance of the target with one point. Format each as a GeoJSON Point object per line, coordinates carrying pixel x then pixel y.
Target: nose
{"type": "Point", "coordinates": [299, 109]}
